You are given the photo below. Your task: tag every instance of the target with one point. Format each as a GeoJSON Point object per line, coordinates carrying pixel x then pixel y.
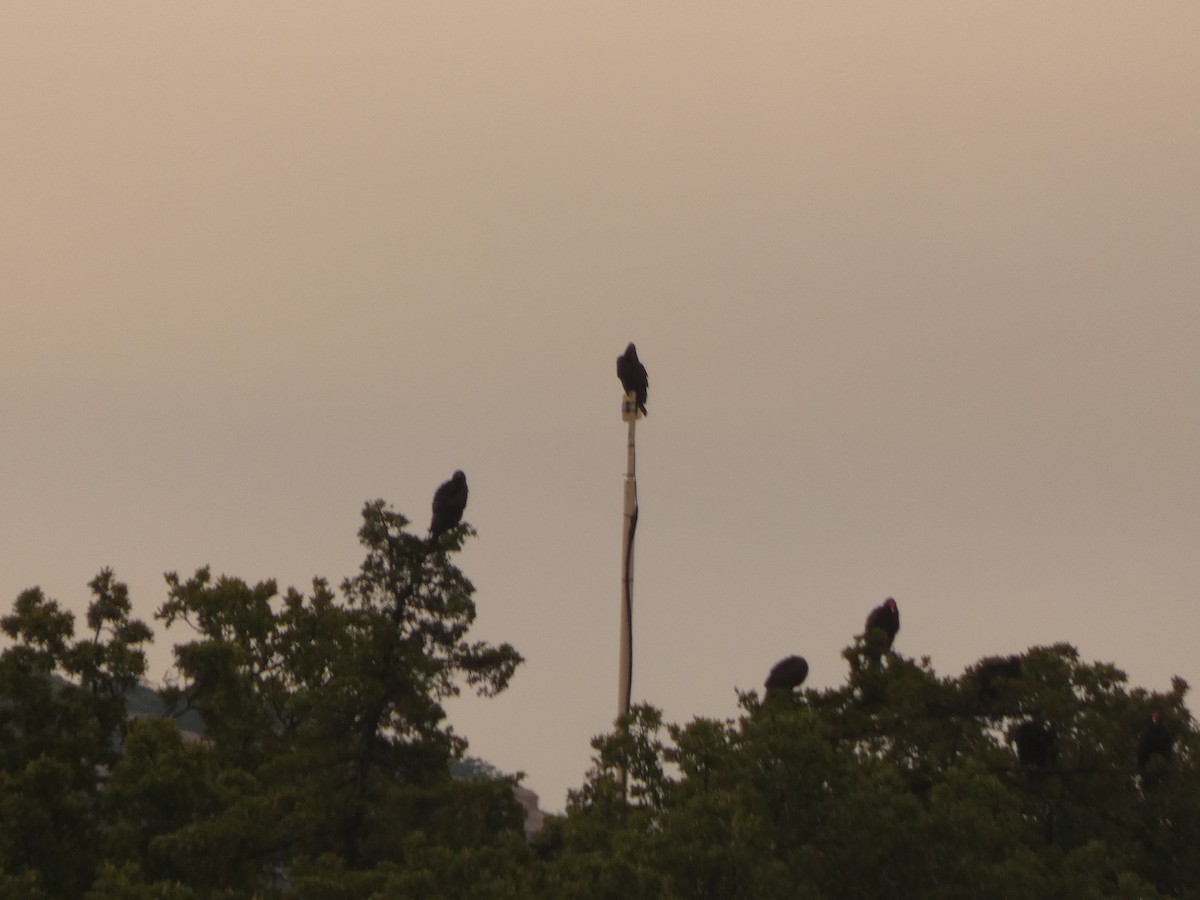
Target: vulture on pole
{"type": "Point", "coordinates": [633, 376]}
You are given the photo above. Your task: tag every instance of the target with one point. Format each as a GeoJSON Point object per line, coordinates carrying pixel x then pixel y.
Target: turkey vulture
{"type": "Point", "coordinates": [1156, 740]}
{"type": "Point", "coordinates": [992, 670]}
{"type": "Point", "coordinates": [1035, 744]}
{"type": "Point", "coordinates": [449, 501]}
{"type": "Point", "coordinates": [633, 376]}
{"type": "Point", "coordinates": [787, 674]}
{"type": "Point", "coordinates": [884, 618]}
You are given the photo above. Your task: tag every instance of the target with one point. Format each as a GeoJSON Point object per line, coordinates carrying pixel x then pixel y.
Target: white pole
{"type": "Point", "coordinates": [629, 412]}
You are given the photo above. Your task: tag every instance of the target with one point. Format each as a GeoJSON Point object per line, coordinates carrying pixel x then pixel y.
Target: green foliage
{"type": "Point", "coordinates": [324, 770]}
{"type": "Point", "coordinates": [325, 717]}
{"type": "Point", "coordinates": [325, 750]}
{"type": "Point", "coordinates": [897, 784]}
{"type": "Point", "coordinates": [58, 737]}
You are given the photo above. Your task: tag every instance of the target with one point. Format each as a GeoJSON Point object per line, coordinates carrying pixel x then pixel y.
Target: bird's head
{"type": "Point", "coordinates": [1156, 717]}
{"type": "Point", "coordinates": [890, 604]}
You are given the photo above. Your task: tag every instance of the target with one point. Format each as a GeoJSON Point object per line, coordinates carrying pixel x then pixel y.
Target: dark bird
{"type": "Point", "coordinates": [633, 376]}
{"type": "Point", "coordinates": [449, 501]}
{"type": "Point", "coordinates": [1035, 744]}
{"type": "Point", "coordinates": [992, 670]}
{"type": "Point", "coordinates": [884, 618]}
{"type": "Point", "coordinates": [787, 674]}
{"type": "Point", "coordinates": [1156, 740]}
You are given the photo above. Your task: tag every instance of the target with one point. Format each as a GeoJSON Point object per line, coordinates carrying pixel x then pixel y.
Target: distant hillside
{"type": "Point", "coordinates": [145, 701]}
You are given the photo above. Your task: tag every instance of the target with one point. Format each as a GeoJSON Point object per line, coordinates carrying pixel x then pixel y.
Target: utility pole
{"type": "Point", "coordinates": [630, 413]}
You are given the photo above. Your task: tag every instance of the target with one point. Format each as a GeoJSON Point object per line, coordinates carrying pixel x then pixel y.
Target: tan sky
{"type": "Point", "coordinates": [916, 285]}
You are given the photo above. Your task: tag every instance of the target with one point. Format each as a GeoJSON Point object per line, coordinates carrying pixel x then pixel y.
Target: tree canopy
{"type": "Point", "coordinates": [898, 783]}
{"type": "Point", "coordinates": [326, 753]}
{"type": "Point", "coordinates": [326, 766]}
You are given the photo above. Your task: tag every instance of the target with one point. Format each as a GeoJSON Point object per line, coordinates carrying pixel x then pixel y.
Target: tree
{"type": "Point", "coordinates": [59, 737]}
{"type": "Point", "coordinates": [325, 717]}
{"type": "Point", "coordinates": [324, 770]}
{"type": "Point", "coordinates": [897, 783]}
{"type": "Point", "coordinates": [325, 763]}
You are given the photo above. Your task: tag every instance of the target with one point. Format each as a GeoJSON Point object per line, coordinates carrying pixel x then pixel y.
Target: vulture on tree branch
{"type": "Point", "coordinates": [1035, 744]}
{"type": "Point", "coordinates": [992, 670]}
{"type": "Point", "coordinates": [1156, 740]}
{"type": "Point", "coordinates": [884, 618]}
{"type": "Point", "coordinates": [786, 675]}
{"type": "Point", "coordinates": [449, 501]}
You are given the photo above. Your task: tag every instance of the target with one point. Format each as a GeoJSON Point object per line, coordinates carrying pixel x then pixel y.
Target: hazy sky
{"type": "Point", "coordinates": [917, 286]}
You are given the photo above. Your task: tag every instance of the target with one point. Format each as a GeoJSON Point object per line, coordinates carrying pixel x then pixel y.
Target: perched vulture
{"type": "Point", "coordinates": [1035, 744]}
{"type": "Point", "coordinates": [1156, 740]}
{"type": "Point", "coordinates": [449, 501]}
{"type": "Point", "coordinates": [787, 674]}
{"type": "Point", "coordinates": [884, 618]}
{"type": "Point", "coordinates": [992, 670]}
{"type": "Point", "coordinates": [633, 376]}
